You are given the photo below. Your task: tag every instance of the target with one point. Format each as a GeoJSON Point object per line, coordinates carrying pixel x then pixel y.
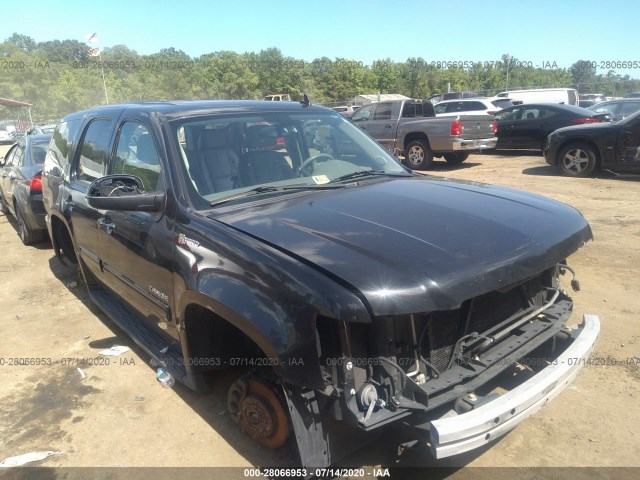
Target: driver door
{"type": "Point", "coordinates": [136, 247]}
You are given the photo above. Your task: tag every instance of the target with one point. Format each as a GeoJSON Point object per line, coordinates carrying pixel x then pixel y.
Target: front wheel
{"type": "Point", "coordinates": [418, 155]}
{"type": "Point", "coordinates": [456, 158]}
{"type": "Point", "coordinates": [577, 160]}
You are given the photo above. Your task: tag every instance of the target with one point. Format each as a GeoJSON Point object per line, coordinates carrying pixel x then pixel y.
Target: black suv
{"type": "Point", "coordinates": [275, 236]}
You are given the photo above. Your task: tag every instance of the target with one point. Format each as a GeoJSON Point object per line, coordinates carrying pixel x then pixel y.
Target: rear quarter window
{"type": "Point", "coordinates": [61, 146]}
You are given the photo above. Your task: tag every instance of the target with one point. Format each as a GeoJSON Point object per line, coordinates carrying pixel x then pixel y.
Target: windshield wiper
{"type": "Point", "coordinates": [270, 189]}
{"type": "Point", "coordinates": [367, 173]}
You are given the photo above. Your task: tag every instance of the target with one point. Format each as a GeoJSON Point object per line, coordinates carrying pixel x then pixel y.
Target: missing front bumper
{"type": "Point", "coordinates": [457, 434]}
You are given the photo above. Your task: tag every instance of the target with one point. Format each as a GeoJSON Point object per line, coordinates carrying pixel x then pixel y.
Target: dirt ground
{"type": "Point", "coordinates": [119, 416]}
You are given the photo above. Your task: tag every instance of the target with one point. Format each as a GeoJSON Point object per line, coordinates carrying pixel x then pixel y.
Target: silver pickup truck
{"type": "Point", "coordinates": [409, 128]}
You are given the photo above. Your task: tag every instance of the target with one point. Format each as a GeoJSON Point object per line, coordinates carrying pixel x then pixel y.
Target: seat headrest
{"type": "Point", "coordinates": [260, 136]}
{"type": "Point", "coordinates": [212, 139]}
{"type": "Point", "coordinates": [145, 151]}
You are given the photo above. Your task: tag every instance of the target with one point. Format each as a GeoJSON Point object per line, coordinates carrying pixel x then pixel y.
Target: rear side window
{"type": "Point", "coordinates": [60, 147]}
{"type": "Point", "coordinates": [382, 111]}
{"type": "Point", "coordinates": [474, 106]}
{"type": "Point", "coordinates": [93, 151]}
{"type": "Point", "coordinates": [630, 107]}
{"type": "Point", "coordinates": [16, 160]}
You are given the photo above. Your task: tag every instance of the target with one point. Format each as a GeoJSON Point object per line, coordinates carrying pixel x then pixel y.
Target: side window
{"type": "Point", "coordinates": [509, 114]}
{"type": "Point", "coordinates": [440, 107]}
{"type": "Point", "coordinates": [382, 111]}
{"type": "Point", "coordinates": [409, 110]}
{"type": "Point", "coordinates": [8, 159]}
{"type": "Point", "coordinates": [531, 113]}
{"type": "Point", "coordinates": [475, 106]}
{"type": "Point", "coordinates": [137, 155]}
{"type": "Point", "coordinates": [93, 151]}
{"type": "Point", "coordinates": [18, 157]}
{"type": "Point", "coordinates": [630, 107]}
{"type": "Point", "coordinates": [363, 113]}
{"type": "Point", "coordinates": [59, 153]}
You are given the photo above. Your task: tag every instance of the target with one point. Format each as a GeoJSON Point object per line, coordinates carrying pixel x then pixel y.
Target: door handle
{"type": "Point", "coordinates": [106, 225]}
{"type": "Point", "coordinates": [388, 125]}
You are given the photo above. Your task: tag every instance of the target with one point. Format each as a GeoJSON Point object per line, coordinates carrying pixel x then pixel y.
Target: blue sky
{"type": "Point", "coordinates": [536, 31]}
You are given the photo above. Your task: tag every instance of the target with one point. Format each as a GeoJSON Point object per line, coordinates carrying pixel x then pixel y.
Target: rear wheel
{"type": "Point", "coordinates": [26, 234]}
{"type": "Point", "coordinates": [418, 155]}
{"type": "Point", "coordinates": [4, 208]}
{"type": "Point", "coordinates": [257, 405]}
{"type": "Point", "coordinates": [456, 158]}
{"type": "Point", "coordinates": [577, 160]}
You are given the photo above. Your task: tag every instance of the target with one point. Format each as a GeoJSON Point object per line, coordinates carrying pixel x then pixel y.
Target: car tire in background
{"type": "Point", "coordinates": [577, 160]}
{"type": "Point", "coordinates": [4, 208]}
{"type": "Point", "coordinates": [456, 158]}
{"type": "Point", "coordinates": [27, 235]}
{"type": "Point", "coordinates": [418, 155]}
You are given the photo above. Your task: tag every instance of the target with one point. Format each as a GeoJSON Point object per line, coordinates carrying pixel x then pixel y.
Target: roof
{"type": "Point", "coordinates": [176, 109]}
{"type": "Point", "coordinates": [383, 97]}
{"type": "Point", "coordinates": [13, 103]}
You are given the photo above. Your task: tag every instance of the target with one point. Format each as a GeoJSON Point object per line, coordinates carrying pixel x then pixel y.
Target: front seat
{"type": "Point", "coordinates": [261, 164]}
{"type": "Point", "coordinates": [217, 166]}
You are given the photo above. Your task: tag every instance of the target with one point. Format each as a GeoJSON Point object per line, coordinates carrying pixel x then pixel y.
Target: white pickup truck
{"type": "Point", "coordinates": [409, 128]}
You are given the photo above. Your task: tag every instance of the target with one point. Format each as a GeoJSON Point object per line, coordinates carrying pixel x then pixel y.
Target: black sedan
{"type": "Point", "coordinates": [579, 150]}
{"type": "Point", "coordinates": [21, 187]}
{"type": "Point", "coordinates": [526, 126]}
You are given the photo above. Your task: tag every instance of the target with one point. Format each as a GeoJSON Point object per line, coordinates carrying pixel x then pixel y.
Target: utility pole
{"type": "Point", "coordinates": [508, 59]}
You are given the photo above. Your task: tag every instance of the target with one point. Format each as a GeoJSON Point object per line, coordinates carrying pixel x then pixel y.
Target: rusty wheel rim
{"type": "Point", "coordinates": [262, 416]}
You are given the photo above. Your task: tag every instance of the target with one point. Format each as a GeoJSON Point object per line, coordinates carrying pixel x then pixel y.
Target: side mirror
{"type": "Point", "coordinates": [123, 192]}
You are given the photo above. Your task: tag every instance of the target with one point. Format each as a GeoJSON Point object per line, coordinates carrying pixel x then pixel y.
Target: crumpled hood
{"type": "Point", "coordinates": [418, 244]}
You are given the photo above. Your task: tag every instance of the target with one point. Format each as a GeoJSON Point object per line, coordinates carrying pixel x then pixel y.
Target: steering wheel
{"type": "Point", "coordinates": [310, 161]}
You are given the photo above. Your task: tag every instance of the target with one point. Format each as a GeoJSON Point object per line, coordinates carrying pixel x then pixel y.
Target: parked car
{"type": "Point", "coordinates": [305, 266]}
{"type": "Point", "coordinates": [488, 105]}
{"type": "Point", "coordinates": [21, 187]}
{"type": "Point", "coordinates": [568, 96]}
{"type": "Point", "coordinates": [617, 109]}
{"type": "Point", "coordinates": [596, 97]}
{"type": "Point", "coordinates": [411, 129]}
{"type": "Point", "coordinates": [527, 126]}
{"type": "Point", "coordinates": [634, 95]}
{"type": "Point", "coordinates": [8, 134]}
{"type": "Point", "coordinates": [580, 150]}
{"type": "Point", "coordinates": [278, 97]}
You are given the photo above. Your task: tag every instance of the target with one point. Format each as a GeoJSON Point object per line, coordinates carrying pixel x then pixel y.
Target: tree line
{"type": "Point", "coordinates": [59, 76]}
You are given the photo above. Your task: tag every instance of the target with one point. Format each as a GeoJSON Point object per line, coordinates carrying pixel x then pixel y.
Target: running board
{"type": "Point", "coordinates": [133, 324]}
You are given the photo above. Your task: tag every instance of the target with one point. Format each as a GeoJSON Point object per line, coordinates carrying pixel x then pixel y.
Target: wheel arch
{"type": "Point", "coordinates": [410, 137]}
{"type": "Point", "coordinates": [586, 141]}
{"type": "Point", "coordinates": [245, 329]}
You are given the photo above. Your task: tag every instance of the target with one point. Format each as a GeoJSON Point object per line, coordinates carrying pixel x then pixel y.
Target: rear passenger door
{"type": "Point", "coordinates": [90, 163]}
{"type": "Point", "coordinates": [136, 247]}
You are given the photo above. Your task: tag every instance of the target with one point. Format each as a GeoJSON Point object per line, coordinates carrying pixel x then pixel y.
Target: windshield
{"type": "Point", "coordinates": [225, 156]}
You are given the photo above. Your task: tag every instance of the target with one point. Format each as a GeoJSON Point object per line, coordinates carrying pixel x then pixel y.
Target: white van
{"type": "Point", "coordinates": [568, 96]}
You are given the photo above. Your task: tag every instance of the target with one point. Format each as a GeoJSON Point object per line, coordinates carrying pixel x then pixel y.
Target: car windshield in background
{"type": "Point", "coordinates": [223, 157]}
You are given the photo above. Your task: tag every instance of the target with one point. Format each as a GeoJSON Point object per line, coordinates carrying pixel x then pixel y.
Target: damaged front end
{"type": "Point", "coordinates": [439, 370]}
